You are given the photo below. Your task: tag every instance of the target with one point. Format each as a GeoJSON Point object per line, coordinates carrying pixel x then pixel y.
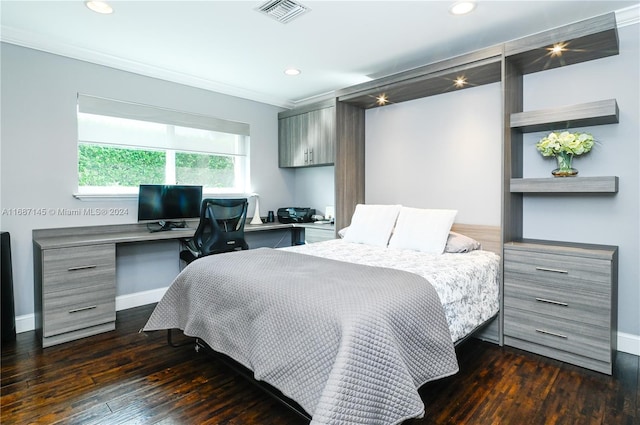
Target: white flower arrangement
{"type": "Point", "coordinates": [565, 143]}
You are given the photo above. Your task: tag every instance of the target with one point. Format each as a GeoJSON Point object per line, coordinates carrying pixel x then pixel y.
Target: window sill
{"type": "Point", "coordinates": [106, 196]}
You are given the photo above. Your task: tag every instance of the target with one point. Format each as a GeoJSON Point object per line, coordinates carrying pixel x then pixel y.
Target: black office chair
{"type": "Point", "coordinates": [221, 229]}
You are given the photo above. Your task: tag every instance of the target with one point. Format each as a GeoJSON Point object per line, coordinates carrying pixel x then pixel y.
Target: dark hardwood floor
{"type": "Point", "coordinates": [124, 377]}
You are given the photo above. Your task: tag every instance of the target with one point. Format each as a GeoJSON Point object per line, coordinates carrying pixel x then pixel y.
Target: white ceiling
{"type": "Point", "coordinates": [229, 47]}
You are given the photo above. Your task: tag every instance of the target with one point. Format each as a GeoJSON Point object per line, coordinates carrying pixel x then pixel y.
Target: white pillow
{"type": "Point", "coordinates": [423, 230]}
{"type": "Point", "coordinates": [372, 224]}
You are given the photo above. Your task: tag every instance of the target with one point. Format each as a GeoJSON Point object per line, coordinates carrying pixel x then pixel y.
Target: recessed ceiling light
{"type": "Point", "coordinates": [558, 49]}
{"type": "Point", "coordinates": [460, 82]}
{"type": "Point", "coordinates": [382, 99]}
{"type": "Point", "coordinates": [99, 6]}
{"type": "Point", "coordinates": [292, 71]}
{"type": "Point", "coordinates": [462, 7]}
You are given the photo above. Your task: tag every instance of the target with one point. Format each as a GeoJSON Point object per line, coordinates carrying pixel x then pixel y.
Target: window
{"type": "Point", "coordinates": [122, 145]}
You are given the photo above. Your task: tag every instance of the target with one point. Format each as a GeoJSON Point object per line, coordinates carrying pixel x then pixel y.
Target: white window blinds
{"type": "Point", "coordinates": [113, 122]}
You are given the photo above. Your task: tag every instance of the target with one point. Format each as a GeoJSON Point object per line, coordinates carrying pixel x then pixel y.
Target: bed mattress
{"type": "Point", "coordinates": [467, 283]}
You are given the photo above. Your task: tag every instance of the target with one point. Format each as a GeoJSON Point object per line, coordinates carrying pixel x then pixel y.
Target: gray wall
{"type": "Point", "coordinates": [314, 188]}
{"type": "Point", "coordinates": [423, 153]}
{"type": "Point", "coordinates": [39, 156]}
{"type": "Point", "coordinates": [442, 151]}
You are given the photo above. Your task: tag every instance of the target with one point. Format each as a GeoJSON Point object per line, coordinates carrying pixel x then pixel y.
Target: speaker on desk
{"type": "Point", "coordinates": [7, 309]}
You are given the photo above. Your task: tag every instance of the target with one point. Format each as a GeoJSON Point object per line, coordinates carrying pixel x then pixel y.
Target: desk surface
{"type": "Point", "coordinates": [95, 235]}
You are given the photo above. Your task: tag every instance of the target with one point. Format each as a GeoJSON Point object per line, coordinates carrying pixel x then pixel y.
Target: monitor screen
{"type": "Point", "coordinates": [157, 202]}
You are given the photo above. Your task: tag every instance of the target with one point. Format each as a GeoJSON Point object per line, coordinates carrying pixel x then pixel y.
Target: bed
{"type": "Point", "coordinates": [347, 329]}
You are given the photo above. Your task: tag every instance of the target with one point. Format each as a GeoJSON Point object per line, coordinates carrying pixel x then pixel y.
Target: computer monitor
{"type": "Point", "coordinates": [168, 205]}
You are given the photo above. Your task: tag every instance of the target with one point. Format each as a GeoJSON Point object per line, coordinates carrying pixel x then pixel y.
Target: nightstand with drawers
{"type": "Point", "coordinates": [560, 301]}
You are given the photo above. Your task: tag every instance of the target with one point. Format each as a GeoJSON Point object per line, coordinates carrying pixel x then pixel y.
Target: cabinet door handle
{"type": "Point", "coordinates": [90, 266]}
{"type": "Point", "coordinates": [77, 310]}
{"type": "Point", "coordinates": [544, 300]}
{"type": "Point", "coordinates": [546, 269]}
{"type": "Point", "coordinates": [542, 331]}
{"type": "Point", "coordinates": [310, 156]}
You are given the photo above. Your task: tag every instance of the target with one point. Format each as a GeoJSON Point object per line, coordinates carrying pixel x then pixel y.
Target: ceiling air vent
{"type": "Point", "coordinates": [283, 10]}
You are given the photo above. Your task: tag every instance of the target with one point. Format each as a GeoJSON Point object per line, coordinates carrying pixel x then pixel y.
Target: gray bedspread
{"type": "Point", "coordinates": [350, 343]}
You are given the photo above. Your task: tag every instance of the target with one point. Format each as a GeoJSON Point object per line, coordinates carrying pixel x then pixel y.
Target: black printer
{"type": "Point", "coordinates": [295, 215]}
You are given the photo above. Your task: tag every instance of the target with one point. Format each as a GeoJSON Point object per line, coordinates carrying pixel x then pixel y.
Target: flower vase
{"type": "Point", "coordinates": [564, 165]}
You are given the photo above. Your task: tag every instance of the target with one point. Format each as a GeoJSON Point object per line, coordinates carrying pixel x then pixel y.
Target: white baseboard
{"type": "Point", "coordinates": [25, 323]}
{"type": "Point", "coordinates": [137, 299]}
{"type": "Point", "coordinates": [627, 343]}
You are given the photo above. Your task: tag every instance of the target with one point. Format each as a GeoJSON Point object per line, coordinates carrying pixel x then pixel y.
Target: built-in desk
{"type": "Point", "coordinates": [94, 235]}
{"type": "Point", "coordinates": [75, 274]}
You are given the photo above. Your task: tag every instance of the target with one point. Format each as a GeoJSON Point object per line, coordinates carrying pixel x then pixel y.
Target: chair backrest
{"type": "Point", "coordinates": [221, 227]}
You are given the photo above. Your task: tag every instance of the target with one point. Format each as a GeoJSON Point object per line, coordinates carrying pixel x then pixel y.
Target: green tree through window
{"type": "Point", "coordinates": [115, 166]}
{"type": "Point", "coordinates": [208, 170]}
{"type": "Point", "coordinates": [128, 167]}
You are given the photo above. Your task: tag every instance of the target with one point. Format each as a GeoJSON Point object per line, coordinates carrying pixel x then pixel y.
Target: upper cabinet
{"type": "Point", "coordinates": [307, 136]}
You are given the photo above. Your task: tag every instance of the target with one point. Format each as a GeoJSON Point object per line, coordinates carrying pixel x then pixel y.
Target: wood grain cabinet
{"type": "Point", "coordinates": [319, 233]}
{"type": "Point", "coordinates": [307, 137]}
{"type": "Point", "coordinates": [559, 297]}
{"type": "Point", "coordinates": [75, 289]}
{"type": "Point", "coordinates": [559, 301]}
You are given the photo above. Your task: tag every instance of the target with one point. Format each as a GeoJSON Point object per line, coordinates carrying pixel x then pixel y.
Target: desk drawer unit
{"type": "Point", "coordinates": [314, 234]}
{"type": "Point", "coordinates": [78, 288]}
{"type": "Point", "coordinates": [560, 301]}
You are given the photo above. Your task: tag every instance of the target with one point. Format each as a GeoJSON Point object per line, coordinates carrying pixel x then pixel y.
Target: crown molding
{"type": "Point", "coordinates": [624, 17]}
{"type": "Point", "coordinates": [33, 41]}
{"type": "Point", "coordinates": [628, 16]}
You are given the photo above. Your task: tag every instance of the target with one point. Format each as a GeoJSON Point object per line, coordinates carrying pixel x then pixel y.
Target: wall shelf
{"type": "Point", "coordinates": [585, 114]}
{"type": "Point", "coordinates": [606, 184]}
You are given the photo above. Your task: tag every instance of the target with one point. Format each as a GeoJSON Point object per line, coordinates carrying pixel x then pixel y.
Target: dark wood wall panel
{"type": "Point", "coordinates": [349, 162]}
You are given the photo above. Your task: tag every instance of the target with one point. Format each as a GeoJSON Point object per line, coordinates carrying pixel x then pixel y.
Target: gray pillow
{"type": "Point", "coordinates": [457, 243]}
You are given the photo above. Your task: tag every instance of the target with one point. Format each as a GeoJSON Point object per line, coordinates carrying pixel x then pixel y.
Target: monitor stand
{"type": "Point", "coordinates": [167, 225]}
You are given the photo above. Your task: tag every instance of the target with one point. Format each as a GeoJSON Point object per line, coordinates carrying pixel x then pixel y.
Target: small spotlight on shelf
{"type": "Point", "coordinates": [460, 82]}
{"type": "Point", "coordinates": [558, 49]}
{"type": "Point", "coordinates": [382, 99]}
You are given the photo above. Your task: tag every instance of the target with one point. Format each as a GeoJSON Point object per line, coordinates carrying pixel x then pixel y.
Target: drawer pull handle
{"type": "Point", "coordinates": [77, 310]}
{"type": "Point", "coordinates": [544, 300]}
{"type": "Point", "coordinates": [542, 331]}
{"type": "Point", "coordinates": [90, 266]}
{"type": "Point", "coordinates": [546, 269]}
